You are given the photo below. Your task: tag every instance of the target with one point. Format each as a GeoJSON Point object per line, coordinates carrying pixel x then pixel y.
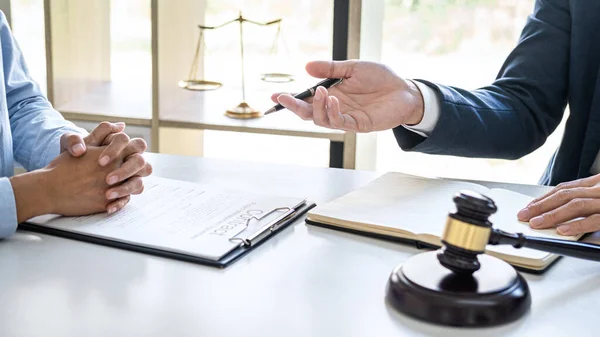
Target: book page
{"type": "Point", "coordinates": [179, 216]}
{"type": "Point", "coordinates": [509, 203]}
{"type": "Point", "coordinates": [529, 190]}
{"type": "Point", "coordinates": [401, 202]}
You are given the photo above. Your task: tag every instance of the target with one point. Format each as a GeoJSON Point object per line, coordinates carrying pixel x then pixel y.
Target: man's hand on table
{"type": "Point", "coordinates": [572, 207]}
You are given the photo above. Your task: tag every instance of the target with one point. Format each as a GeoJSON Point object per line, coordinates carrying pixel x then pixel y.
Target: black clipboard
{"type": "Point", "coordinates": [418, 244]}
{"type": "Point", "coordinates": [247, 244]}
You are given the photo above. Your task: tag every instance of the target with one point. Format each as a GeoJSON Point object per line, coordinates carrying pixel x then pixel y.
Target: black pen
{"type": "Point", "coordinates": [327, 83]}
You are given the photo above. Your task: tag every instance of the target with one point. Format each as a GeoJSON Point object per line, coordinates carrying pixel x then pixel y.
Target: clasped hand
{"type": "Point", "coordinates": [124, 180]}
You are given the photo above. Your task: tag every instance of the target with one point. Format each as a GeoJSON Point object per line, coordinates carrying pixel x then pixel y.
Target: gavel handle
{"type": "Point", "coordinates": [576, 249]}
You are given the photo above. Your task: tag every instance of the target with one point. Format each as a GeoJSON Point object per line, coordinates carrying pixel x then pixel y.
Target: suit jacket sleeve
{"type": "Point", "coordinates": [513, 116]}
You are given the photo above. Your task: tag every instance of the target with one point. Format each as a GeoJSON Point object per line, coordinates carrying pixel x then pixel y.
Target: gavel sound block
{"type": "Point", "coordinates": [459, 285]}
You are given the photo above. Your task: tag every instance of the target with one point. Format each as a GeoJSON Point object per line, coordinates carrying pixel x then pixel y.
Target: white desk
{"type": "Point", "coordinates": [306, 281]}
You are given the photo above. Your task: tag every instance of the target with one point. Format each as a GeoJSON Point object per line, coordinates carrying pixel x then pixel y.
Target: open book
{"type": "Point", "coordinates": [182, 220]}
{"type": "Point", "coordinates": [400, 206]}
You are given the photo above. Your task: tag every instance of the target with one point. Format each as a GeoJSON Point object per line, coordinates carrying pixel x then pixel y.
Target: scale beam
{"type": "Point", "coordinates": [243, 110]}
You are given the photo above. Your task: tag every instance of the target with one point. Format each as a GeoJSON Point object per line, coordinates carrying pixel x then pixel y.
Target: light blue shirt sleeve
{"type": "Point", "coordinates": [35, 126]}
{"type": "Point", "coordinates": [8, 209]}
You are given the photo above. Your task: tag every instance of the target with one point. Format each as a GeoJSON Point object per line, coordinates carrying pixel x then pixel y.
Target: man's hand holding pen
{"type": "Point", "coordinates": [370, 98]}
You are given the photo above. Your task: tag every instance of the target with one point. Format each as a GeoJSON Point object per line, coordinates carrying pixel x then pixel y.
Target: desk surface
{"type": "Point", "coordinates": [306, 281]}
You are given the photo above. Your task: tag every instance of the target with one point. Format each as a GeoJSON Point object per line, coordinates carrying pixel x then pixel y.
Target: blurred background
{"type": "Point", "coordinates": [461, 43]}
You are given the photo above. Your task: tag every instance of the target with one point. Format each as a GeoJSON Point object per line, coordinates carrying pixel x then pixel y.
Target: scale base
{"type": "Point", "coordinates": [199, 85]}
{"type": "Point", "coordinates": [243, 111]}
{"type": "Point", "coordinates": [422, 288]}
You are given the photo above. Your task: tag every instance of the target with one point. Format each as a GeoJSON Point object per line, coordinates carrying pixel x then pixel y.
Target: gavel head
{"type": "Point", "coordinates": [467, 232]}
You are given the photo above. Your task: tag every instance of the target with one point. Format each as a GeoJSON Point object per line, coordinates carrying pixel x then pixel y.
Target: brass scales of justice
{"type": "Point", "coordinates": [243, 110]}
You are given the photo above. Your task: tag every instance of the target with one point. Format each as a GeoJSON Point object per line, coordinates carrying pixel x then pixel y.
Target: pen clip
{"type": "Point", "coordinates": [272, 226]}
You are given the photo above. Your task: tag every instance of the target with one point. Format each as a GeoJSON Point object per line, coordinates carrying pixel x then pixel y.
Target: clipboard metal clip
{"type": "Point", "coordinates": [265, 230]}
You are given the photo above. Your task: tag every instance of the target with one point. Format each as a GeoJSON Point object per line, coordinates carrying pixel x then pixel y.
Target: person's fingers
{"type": "Point", "coordinates": [582, 226]}
{"type": "Point", "coordinates": [585, 182]}
{"type": "Point", "coordinates": [97, 136]}
{"type": "Point", "coordinates": [118, 143]}
{"type": "Point", "coordinates": [139, 191]}
{"type": "Point", "coordinates": [337, 119]}
{"type": "Point", "coordinates": [331, 69]}
{"type": "Point", "coordinates": [333, 113]}
{"type": "Point", "coordinates": [126, 188]}
{"type": "Point", "coordinates": [146, 171]}
{"type": "Point", "coordinates": [73, 143]}
{"type": "Point", "coordinates": [320, 107]}
{"type": "Point", "coordinates": [133, 165]}
{"type": "Point", "coordinates": [573, 209]}
{"type": "Point", "coordinates": [277, 94]}
{"type": "Point", "coordinates": [118, 204]}
{"type": "Point", "coordinates": [274, 97]}
{"type": "Point", "coordinates": [299, 107]}
{"type": "Point", "coordinates": [135, 145]}
{"type": "Point", "coordinates": [555, 200]}
{"type": "Point", "coordinates": [350, 122]}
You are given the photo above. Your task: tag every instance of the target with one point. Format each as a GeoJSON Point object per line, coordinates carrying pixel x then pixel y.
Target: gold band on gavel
{"type": "Point", "coordinates": [465, 235]}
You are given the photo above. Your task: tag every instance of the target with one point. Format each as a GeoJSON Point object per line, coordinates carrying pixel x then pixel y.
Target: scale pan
{"type": "Point", "coordinates": [277, 77]}
{"type": "Point", "coordinates": [199, 85]}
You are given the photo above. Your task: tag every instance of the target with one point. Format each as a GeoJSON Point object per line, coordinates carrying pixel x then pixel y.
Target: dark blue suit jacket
{"type": "Point", "coordinates": [555, 63]}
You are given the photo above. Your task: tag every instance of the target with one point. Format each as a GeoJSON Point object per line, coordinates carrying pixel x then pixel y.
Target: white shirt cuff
{"type": "Point", "coordinates": [431, 111]}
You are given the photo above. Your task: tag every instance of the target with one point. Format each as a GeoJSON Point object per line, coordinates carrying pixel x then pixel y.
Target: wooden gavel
{"type": "Point", "coordinates": [468, 231]}
{"type": "Point", "coordinates": [458, 284]}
